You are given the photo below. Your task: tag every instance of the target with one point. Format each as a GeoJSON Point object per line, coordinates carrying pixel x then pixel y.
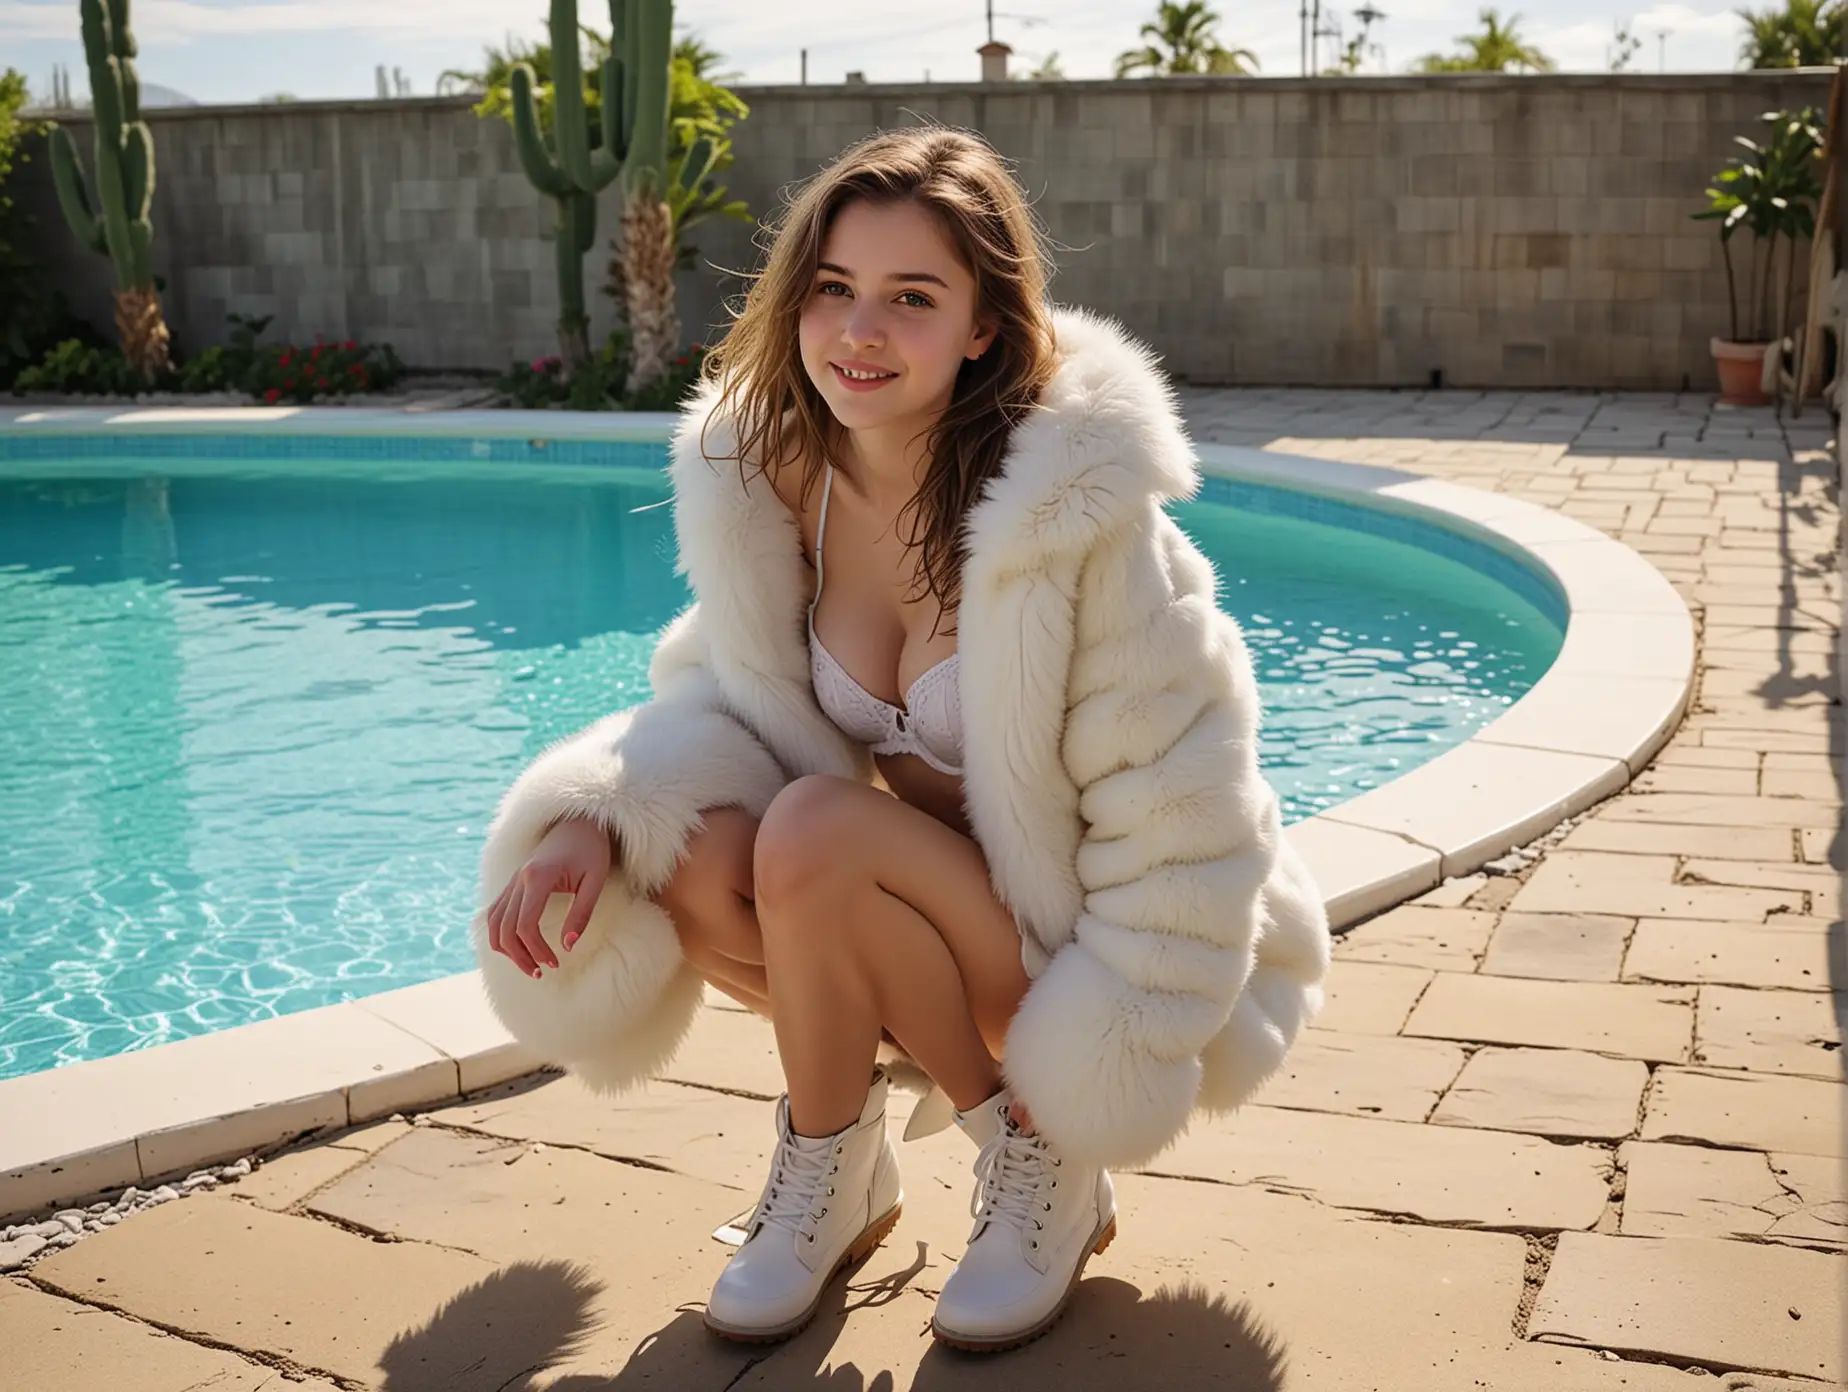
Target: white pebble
{"type": "Point", "coordinates": [19, 1251]}
{"type": "Point", "coordinates": [50, 1230]}
{"type": "Point", "coordinates": [98, 1207]}
{"type": "Point", "coordinates": [67, 1238]}
{"type": "Point", "coordinates": [129, 1195]}
{"type": "Point", "coordinates": [72, 1218]}
{"type": "Point", "coordinates": [420, 1120]}
{"type": "Point", "coordinates": [236, 1170]}
{"type": "Point", "coordinates": [164, 1193]}
{"type": "Point", "coordinates": [110, 1219]}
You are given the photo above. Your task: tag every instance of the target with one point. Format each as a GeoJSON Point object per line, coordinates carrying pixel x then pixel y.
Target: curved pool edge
{"type": "Point", "coordinates": [1609, 701]}
{"type": "Point", "coordinates": [1611, 698]}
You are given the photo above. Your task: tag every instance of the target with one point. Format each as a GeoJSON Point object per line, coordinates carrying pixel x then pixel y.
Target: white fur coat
{"type": "Point", "coordinates": [1176, 943]}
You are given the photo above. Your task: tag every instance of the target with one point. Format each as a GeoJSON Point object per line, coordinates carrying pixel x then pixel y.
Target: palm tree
{"type": "Point", "coordinates": [1804, 34]}
{"type": "Point", "coordinates": [1498, 48]}
{"type": "Point", "coordinates": [1047, 71]}
{"type": "Point", "coordinates": [1183, 42]}
{"type": "Point", "coordinates": [701, 58]}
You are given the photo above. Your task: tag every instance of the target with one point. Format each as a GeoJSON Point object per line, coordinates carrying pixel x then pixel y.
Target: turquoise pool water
{"type": "Point", "coordinates": [258, 712]}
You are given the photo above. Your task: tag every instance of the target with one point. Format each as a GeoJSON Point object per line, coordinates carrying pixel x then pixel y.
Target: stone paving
{"type": "Point", "coordinates": [1579, 1127]}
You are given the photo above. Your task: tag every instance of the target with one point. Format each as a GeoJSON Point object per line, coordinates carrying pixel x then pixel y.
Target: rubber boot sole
{"type": "Point", "coordinates": [862, 1246]}
{"type": "Point", "coordinates": [1001, 1343]}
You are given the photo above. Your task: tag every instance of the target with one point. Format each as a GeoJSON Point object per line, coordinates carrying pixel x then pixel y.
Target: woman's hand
{"type": "Point", "coordinates": [573, 859]}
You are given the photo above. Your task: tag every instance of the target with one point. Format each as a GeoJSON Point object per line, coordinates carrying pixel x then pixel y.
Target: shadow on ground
{"type": "Point", "coordinates": [506, 1331]}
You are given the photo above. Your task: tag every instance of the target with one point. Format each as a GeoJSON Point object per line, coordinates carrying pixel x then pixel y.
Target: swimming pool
{"type": "Point", "coordinates": [261, 699]}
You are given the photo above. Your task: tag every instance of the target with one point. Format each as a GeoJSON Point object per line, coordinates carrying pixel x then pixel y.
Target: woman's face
{"type": "Point", "coordinates": [890, 318]}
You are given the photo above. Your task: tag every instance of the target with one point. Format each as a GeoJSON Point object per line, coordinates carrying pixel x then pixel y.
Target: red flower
{"type": "Point", "coordinates": [357, 369]}
{"type": "Point", "coordinates": [317, 351]}
{"type": "Point", "coordinates": [348, 345]}
{"type": "Point", "coordinates": [272, 396]}
{"type": "Point", "coordinates": [288, 356]}
{"type": "Point", "coordinates": [321, 382]}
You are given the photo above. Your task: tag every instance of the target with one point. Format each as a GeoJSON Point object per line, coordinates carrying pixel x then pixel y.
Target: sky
{"type": "Point", "coordinates": [242, 50]}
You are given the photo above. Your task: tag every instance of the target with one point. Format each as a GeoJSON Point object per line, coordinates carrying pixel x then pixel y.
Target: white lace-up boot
{"type": "Point", "coordinates": [1038, 1220]}
{"type": "Point", "coordinates": [828, 1202]}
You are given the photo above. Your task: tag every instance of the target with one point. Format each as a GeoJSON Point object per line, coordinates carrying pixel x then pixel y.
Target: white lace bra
{"type": "Point", "coordinates": [928, 725]}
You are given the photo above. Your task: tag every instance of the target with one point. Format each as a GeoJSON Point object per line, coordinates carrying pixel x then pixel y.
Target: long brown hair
{"type": "Point", "coordinates": [778, 414]}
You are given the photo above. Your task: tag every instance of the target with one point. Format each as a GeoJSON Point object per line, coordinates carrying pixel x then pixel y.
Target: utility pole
{"type": "Point", "coordinates": [1661, 50]}
{"type": "Point", "coordinates": [1302, 35]}
{"type": "Point", "coordinates": [991, 21]}
{"type": "Point", "coordinates": [805, 67]}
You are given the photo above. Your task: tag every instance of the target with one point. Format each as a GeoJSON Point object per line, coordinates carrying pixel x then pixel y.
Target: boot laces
{"type": "Point", "coordinates": [798, 1181]}
{"type": "Point", "coordinates": [1016, 1171]}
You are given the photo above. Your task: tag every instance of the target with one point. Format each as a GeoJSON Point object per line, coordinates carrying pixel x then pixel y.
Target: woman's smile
{"type": "Point", "coordinates": [860, 376]}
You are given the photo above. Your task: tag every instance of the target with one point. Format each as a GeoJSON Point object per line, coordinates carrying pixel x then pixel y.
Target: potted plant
{"type": "Point", "coordinates": [1770, 191]}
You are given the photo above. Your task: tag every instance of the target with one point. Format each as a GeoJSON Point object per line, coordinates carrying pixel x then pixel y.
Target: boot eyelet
{"type": "Point", "coordinates": [830, 1191]}
{"type": "Point", "coordinates": [811, 1238]}
{"type": "Point", "coordinates": [1047, 1207]}
{"type": "Point", "coordinates": [1035, 1246]}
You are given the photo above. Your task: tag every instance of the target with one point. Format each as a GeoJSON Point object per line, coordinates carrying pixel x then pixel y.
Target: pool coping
{"type": "Point", "coordinates": [1611, 699]}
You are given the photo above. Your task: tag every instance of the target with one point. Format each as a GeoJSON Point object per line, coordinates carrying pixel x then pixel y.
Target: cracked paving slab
{"type": "Point", "coordinates": [1696, 1191]}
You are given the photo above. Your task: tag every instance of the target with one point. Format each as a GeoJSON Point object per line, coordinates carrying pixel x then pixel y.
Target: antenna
{"type": "Point", "coordinates": [1661, 50]}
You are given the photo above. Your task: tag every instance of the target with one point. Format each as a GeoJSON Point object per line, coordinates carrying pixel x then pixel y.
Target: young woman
{"type": "Point", "coordinates": [922, 513]}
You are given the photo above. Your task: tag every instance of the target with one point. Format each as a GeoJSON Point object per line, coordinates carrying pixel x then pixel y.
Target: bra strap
{"type": "Point", "coordinates": [821, 532]}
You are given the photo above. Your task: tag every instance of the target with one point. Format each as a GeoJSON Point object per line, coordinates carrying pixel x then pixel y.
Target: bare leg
{"type": "Point", "coordinates": [710, 900]}
{"type": "Point", "coordinates": [873, 912]}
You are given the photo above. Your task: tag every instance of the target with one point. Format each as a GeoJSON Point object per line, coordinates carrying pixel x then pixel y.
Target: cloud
{"type": "Point", "coordinates": [1679, 19]}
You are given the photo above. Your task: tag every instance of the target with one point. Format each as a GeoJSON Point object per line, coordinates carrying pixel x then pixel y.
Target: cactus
{"type": "Point", "coordinates": [122, 230]}
{"type": "Point", "coordinates": [633, 117]}
{"type": "Point", "coordinates": [634, 146]}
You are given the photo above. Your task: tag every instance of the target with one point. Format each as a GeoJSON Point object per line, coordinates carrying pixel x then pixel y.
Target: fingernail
{"type": "Point", "coordinates": [535, 973]}
{"type": "Point", "coordinates": [569, 939]}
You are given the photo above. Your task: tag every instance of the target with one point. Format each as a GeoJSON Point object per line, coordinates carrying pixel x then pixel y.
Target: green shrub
{"type": "Point", "coordinates": [34, 318]}
{"type": "Point", "coordinates": [272, 373]}
{"type": "Point", "coordinates": [85, 368]}
{"type": "Point", "coordinates": [541, 384]}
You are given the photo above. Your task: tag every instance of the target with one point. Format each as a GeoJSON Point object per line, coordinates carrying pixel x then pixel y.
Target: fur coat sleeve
{"type": "Point", "coordinates": [731, 722]}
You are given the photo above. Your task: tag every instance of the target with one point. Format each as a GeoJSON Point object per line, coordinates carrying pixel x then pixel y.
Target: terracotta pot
{"type": "Point", "coordinates": [1742, 370]}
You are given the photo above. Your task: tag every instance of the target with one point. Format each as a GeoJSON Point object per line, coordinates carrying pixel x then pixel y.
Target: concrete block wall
{"type": "Point", "coordinates": [1494, 231]}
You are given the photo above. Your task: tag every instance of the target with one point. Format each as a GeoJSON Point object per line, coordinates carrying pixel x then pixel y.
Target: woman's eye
{"type": "Point", "coordinates": [830, 287]}
{"type": "Point", "coordinates": [916, 299]}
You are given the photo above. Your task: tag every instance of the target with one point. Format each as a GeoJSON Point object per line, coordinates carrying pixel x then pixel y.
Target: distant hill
{"type": "Point", "coordinates": [153, 94]}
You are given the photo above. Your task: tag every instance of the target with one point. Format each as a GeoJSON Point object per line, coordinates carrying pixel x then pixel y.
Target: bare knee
{"type": "Point", "coordinates": [804, 843]}
{"type": "Point", "coordinates": [709, 895]}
